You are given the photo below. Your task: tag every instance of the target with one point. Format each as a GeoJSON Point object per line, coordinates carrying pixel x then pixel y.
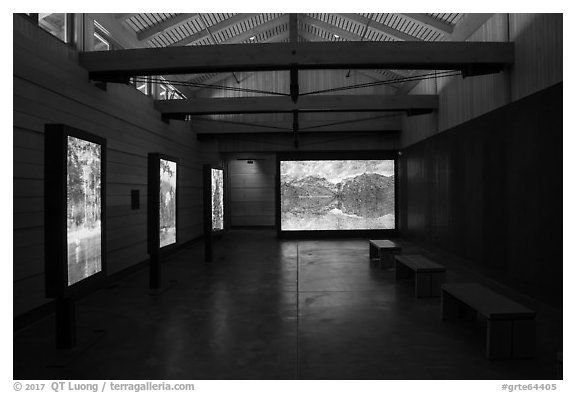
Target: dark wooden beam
{"type": "Point", "coordinates": [464, 29]}
{"type": "Point", "coordinates": [215, 127]}
{"type": "Point", "coordinates": [310, 103]}
{"type": "Point", "coordinates": [111, 65]}
{"type": "Point", "coordinates": [293, 27]}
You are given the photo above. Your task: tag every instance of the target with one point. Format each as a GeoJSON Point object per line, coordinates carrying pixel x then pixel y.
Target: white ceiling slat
{"type": "Point", "coordinates": [214, 28]}
{"type": "Point", "coordinates": [165, 26]}
{"type": "Point", "coordinates": [330, 29]}
{"type": "Point", "coordinates": [379, 26]}
{"type": "Point", "coordinates": [431, 23]}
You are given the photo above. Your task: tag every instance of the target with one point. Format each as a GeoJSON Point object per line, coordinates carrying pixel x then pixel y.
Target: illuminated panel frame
{"type": "Point", "coordinates": [336, 156]}
{"type": "Point", "coordinates": [55, 213]}
{"type": "Point", "coordinates": [212, 199]}
{"type": "Point", "coordinates": [154, 201]}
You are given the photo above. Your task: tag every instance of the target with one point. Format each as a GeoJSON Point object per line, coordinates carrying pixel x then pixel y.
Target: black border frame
{"type": "Point", "coordinates": [207, 208]}
{"type": "Point", "coordinates": [218, 231]}
{"type": "Point", "coordinates": [335, 156]}
{"type": "Point", "coordinates": [55, 225]}
{"type": "Point", "coordinates": [154, 202]}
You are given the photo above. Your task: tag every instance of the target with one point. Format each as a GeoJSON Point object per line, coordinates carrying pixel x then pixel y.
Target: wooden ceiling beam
{"type": "Point", "coordinates": [487, 57]}
{"type": "Point", "coordinates": [222, 76]}
{"type": "Point", "coordinates": [162, 27]}
{"type": "Point", "coordinates": [374, 124]}
{"type": "Point", "coordinates": [310, 103]}
{"type": "Point", "coordinates": [369, 73]}
{"type": "Point", "coordinates": [293, 27]}
{"type": "Point", "coordinates": [225, 24]}
{"type": "Point", "coordinates": [463, 30]}
{"type": "Point", "coordinates": [372, 24]}
{"type": "Point", "coordinates": [433, 23]}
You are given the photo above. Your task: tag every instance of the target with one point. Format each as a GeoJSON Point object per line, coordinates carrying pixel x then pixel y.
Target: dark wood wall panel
{"type": "Point", "coordinates": [50, 87]}
{"type": "Point", "coordinates": [490, 191]}
{"type": "Point", "coordinates": [251, 189]}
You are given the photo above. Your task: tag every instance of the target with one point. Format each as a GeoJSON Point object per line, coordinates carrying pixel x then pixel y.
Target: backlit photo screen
{"type": "Point", "coordinates": [167, 202]}
{"type": "Point", "coordinates": [83, 208]}
{"type": "Point", "coordinates": [217, 199]}
{"type": "Point", "coordinates": [337, 195]}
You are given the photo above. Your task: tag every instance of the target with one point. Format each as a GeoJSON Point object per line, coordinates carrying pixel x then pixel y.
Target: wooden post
{"type": "Point", "coordinates": [65, 323]}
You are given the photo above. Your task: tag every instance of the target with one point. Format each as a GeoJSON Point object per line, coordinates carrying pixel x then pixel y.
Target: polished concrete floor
{"type": "Point", "coordinates": [271, 309]}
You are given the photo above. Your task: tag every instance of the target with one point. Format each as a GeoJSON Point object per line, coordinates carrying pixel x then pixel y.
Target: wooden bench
{"type": "Point", "coordinates": [385, 251]}
{"type": "Point", "coordinates": [428, 276]}
{"type": "Point", "coordinates": [510, 326]}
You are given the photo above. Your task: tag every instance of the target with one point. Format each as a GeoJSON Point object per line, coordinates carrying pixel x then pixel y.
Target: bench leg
{"type": "Point", "coordinates": [386, 259]}
{"type": "Point", "coordinates": [450, 307]}
{"type": "Point", "coordinates": [402, 272]}
{"type": "Point", "coordinates": [373, 251]}
{"type": "Point", "coordinates": [499, 339]}
{"type": "Point", "coordinates": [523, 338]}
{"type": "Point", "coordinates": [423, 284]}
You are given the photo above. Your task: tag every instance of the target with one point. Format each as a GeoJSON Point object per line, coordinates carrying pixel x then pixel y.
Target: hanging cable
{"type": "Point", "coordinates": [349, 121]}
{"type": "Point", "coordinates": [442, 74]}
{"type": "Point", "coordinates": [203, 85]}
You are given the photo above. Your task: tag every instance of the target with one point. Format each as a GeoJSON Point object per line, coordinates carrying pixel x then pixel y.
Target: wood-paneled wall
{"type": "Point", "coordinates": [251, 189]}
{"type": "Point", "coordinates": [279, 81]}
{"type": "Point", "coordinates": [50, 87]}
{"type": "Point", "coordinates": [490, 191]}
{"type": "Point", "coordinates": [538, 65]}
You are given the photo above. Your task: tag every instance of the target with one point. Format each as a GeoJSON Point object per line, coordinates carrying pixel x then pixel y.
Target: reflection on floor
{"type": "Point", "coordinates": [270, 309]}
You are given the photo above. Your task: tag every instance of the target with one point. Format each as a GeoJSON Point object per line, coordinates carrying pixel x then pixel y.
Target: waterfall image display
{"type": "Point", "coordinates": [84, 207]}
{"type": "Point", "coordinates": [337, 195]}
{"type": "Point", "coordinates": [167, 202]}
{"type": "Point", "coordinates": [217, 199]}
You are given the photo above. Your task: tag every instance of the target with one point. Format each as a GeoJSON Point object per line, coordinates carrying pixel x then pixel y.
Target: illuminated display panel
{"type": "Point", "coordinates": [83, 209]}
{"type": "Point", "coordinates": [217, 199]}
{"type": "Point", "coordinates": [167, 199]}
{"type": "Point", "coordinates": [324, 195]}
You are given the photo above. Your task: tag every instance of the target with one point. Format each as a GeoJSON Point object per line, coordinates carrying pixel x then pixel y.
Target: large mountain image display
{"type": "Point", "coordinates": [335, 195]}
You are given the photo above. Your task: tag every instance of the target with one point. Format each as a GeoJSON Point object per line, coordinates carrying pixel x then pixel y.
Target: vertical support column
{"type": "Point", "coordinates": [207, 200]}
{"type": "Point", "coordinates": [295, 128]}
{"type": "Point", "coordinates": [294, 84]}
{"type": "Point", "coordinates": [154, 219]}
{"type": "Point", "coordinates": [293, 27]}
{"type": "Point", "coordinates": [155, 276]}
{"type": "Point", "coordinates": [87, 33]}
{"type": "Point", "coordinates": [65, 323]}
